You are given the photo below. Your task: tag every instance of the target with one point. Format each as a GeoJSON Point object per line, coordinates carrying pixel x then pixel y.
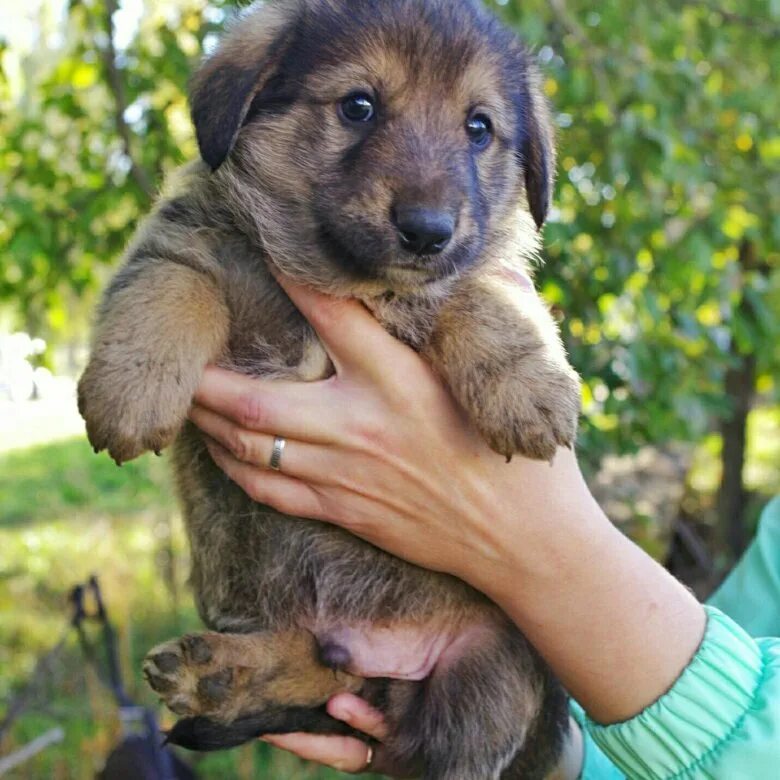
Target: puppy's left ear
{"type": "Point", "coordinates": [536, 150]}
{"type": "Point", "coordinates": [222, 91]}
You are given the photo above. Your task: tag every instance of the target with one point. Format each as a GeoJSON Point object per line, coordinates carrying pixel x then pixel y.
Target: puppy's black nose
{"type": "Point", "coordinates": [423, 231]}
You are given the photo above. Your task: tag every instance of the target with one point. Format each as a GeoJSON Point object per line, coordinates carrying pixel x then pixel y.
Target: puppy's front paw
{"type": "Point", "coordinates": [129, 414]}
{"type": "Point", "coordinates": [531, 411]}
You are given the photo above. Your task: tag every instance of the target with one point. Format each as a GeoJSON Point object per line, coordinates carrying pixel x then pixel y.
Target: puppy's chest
{"type": "Point", "coordinates": [273, 340]}
{"type": "Point", "coordinates": [268, 349]}
{"type": "Point", "coordinates": [410, 319]}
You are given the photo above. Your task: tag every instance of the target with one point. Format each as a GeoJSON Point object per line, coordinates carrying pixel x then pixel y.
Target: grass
{"type": "Point", "coordinates": [66, 514]}
{"type": "Point", "coordinates": [66, 478]}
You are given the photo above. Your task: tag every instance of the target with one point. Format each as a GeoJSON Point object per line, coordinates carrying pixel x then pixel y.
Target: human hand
{"type": "Point", "coordinates": [347, 754]}
{"type": "Point", "coordinates": [380, 449]}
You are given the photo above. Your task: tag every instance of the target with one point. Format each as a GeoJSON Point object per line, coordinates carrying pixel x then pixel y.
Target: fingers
{"type": "Point", "coordinates": [277, 490]}
{"type": "Point", "coordinates": [299, 459]}
{"type": "Point", "coordinates": [359, 714]}
{"type": "Point", "coordinates": [295, 410]}
{"type": "Point", "coordinates": [354, 340]}
{"type": "Point", "coordinates": [342, 753]}
{"type": "Point", "coordinates": [345, 754]}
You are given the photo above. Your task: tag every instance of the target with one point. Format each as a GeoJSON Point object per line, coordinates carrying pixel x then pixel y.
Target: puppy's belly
{"type": "Point", "coordinates": [401, 652]}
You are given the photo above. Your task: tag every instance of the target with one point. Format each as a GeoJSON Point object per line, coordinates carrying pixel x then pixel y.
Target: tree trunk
{"type": "Point", "coordinates": [740, 386]}
{"type": "Point", "coordinates": [740, 382]}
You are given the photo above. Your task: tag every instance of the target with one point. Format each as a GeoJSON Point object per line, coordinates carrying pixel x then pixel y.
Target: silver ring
{"type": "Point", "coordinates": [277, 452]}
{"type": "Point", "coordinates": [369, 757]}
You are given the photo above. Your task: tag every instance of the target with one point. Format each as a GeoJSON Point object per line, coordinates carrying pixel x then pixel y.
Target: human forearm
{"type": "Point", "coordinates": [614, 625]}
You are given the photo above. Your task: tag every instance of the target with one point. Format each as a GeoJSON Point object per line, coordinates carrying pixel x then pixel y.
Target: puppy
{"type": "Point", "coordinates": [399, 152]}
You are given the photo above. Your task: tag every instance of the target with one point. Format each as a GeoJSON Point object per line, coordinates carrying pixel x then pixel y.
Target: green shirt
{"type": "Point", "coordinates": [721, 719]}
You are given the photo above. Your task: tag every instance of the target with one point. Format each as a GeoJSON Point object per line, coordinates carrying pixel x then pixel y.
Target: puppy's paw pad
{"type": "Point", "coordinates": [187, 676]}
{"type": "Point", "coordinates": [197, 649]}
{"type": "Point", "coordinates": [216, 687]}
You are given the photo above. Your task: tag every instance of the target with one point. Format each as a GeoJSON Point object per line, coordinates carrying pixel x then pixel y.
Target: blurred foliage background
{"type": "Point", "coordinates": [663, 259]}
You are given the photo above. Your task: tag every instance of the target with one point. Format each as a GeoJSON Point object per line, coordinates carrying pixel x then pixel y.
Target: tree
{"type": "Point", "coordinates": [87, 132]}
{"type": "Point", "coordinates": [669, 180]}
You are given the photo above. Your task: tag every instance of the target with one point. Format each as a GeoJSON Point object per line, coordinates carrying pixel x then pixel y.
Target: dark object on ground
{"type": "Point", "coordinates": [136, 758]}
{"type": "Point", "coordinates": [141, 755]}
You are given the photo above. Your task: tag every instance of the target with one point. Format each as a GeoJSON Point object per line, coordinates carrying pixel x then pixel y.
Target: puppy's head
{"type": "Point", "coordinates": [384, 142]}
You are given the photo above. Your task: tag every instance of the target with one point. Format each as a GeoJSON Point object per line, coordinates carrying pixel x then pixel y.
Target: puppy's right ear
{"type": "Point", "coordinates": [223, 89]}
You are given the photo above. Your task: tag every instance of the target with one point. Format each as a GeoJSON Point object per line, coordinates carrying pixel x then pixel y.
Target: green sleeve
{"type": "Point", "coordinates": [595, 765]}
{"type": "Point", "coordinates": [720, 720]}
{"type": "Point", "coordinates": [751, 593]}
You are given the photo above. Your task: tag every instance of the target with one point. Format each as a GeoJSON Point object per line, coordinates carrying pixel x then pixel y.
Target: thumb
{"type": "Point", "coordinates": [355, 341]}
{"type": "Point", "coordinates": [359, 714]}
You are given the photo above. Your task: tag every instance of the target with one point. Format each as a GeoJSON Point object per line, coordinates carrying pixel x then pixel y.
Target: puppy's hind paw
{"type": "Point", "coordinates": [224, 677]}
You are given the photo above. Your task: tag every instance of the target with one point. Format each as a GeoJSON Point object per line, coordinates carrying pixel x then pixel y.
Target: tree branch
{"type": "Point", "coordinates": [22, 701]}
{"type": "Point", "coordinates": [114, 76]}
{"type": "Point", "coordinates": [761, 26]}
{"type": "Point", "coordinates": [29, 751]}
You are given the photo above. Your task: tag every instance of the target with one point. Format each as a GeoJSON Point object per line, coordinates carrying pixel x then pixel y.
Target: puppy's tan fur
{"type": "Point", "coordinates": [286, 183]}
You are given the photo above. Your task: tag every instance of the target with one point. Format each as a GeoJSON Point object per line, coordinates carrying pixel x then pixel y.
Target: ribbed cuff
{"type": "Point", "coordinates": [699, 715]}
{"type": "Point", "coordinates": [595, 765]}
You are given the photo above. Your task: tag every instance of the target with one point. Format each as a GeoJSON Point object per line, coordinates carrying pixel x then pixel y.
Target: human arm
{"type": "Point", "coordinates": [382, 450]}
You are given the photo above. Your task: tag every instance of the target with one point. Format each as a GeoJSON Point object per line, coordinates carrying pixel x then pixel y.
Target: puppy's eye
{"type": "Point", "coordinates": [357, 107]}
{"type": "Point", "coordinates": [480, 130]}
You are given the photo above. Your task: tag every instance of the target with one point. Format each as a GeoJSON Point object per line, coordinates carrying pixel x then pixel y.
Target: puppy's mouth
{"type": "Point", "coordinates": [375, 263]}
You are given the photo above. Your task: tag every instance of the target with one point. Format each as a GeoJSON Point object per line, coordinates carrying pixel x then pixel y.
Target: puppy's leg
{"type": "Point", "coordinates": [499, 351]}
{"type": "Point", "coordinates": [205, 735]}
{"type": "Point", "coordinates": [264, 681]}
{"type": "Point", "coordinates": [493, 712]}
{"type": "Point", "coordinates": [159, 326]}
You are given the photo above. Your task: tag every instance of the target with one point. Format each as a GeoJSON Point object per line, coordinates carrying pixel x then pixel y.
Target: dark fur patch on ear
{"type": "Point", "coordinates": [536, 150]}
{"type": "Point", "coordinates": [537, 155]}
{"type": "Point", "coordinates": [205, 735]}
{"type": "Point", "coordinates": [239, 78]}
{"type": "Point", "coordinates": [219, 104]}
{"type": "Point", "coordinates": [538, 180]}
